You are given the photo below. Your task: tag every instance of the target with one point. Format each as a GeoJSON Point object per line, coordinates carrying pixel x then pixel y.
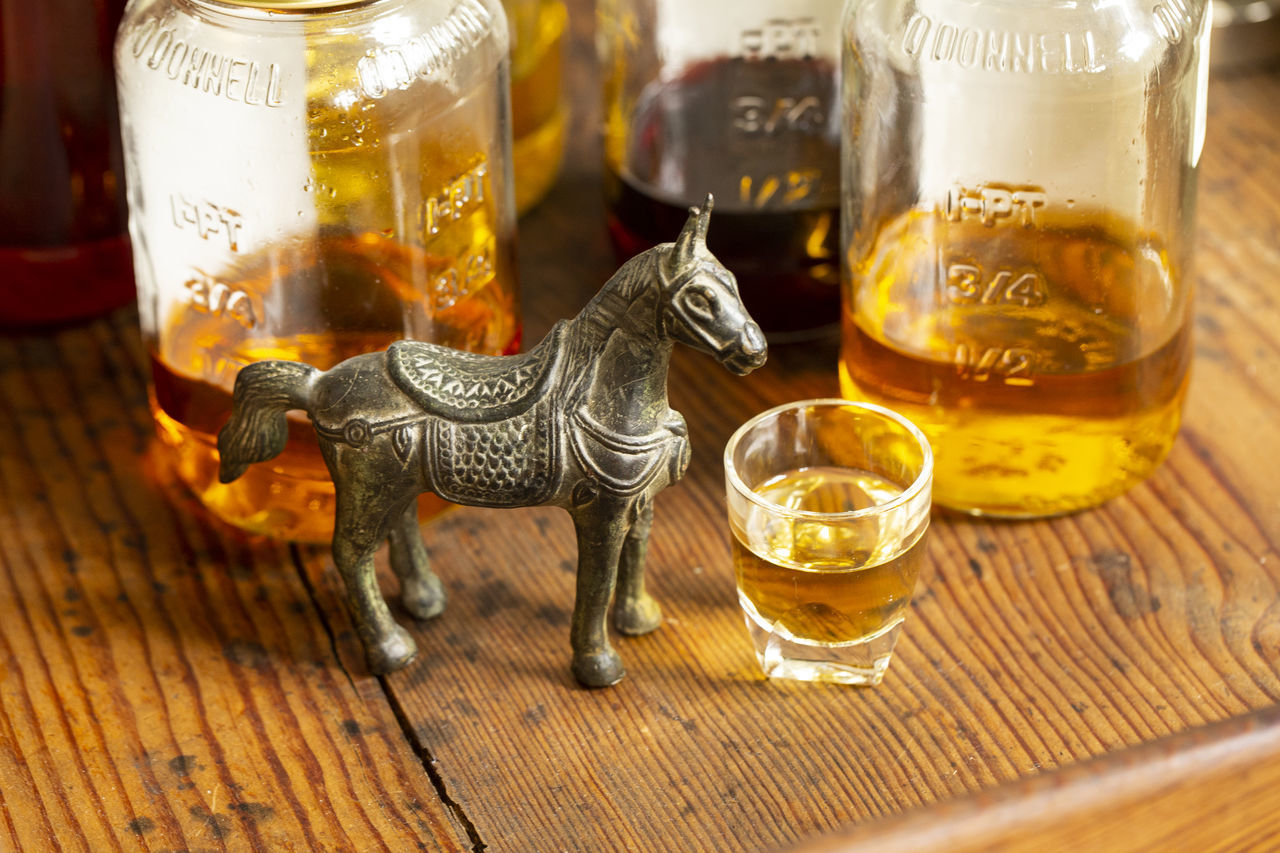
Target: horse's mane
{"type": "Point", "coordinates": [599, 319]}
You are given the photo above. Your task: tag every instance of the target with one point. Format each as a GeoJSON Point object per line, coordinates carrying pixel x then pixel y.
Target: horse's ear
{"type": "Point", "coordinates": [704, 218]}
{"type": "Point", "coordinates": [693, 237]}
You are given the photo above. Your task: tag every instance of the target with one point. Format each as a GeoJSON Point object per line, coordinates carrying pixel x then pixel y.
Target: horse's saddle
{"type": "Point", "coordinates": [511, 462]}
{"type": "Point", "coordinates": [468, 387]}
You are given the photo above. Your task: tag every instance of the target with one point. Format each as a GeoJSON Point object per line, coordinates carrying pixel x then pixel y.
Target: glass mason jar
{"type": "Point", "coordinates": [64, 253]}
{"type": "Point", "coordinates": [1019, 183]}
{"type": "Point", "coordinates": [738, 99]}
{"type": "Point", "coordinates": [309, 181]}
{"type": "Point", "coordinates": [539, 115]}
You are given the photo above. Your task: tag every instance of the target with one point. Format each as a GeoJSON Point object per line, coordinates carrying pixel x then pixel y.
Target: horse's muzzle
{"type": "Point", "coordinates": [749, 352]}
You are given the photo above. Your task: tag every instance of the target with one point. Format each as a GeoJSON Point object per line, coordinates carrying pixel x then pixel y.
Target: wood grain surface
{"type": "Point", "coordinates": [167, 683]}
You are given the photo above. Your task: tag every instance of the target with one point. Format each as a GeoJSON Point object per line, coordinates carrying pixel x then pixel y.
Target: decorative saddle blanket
{"type": "Point", "coordinates": [513, 462]}
{"type": "Point", "coordinates": [472, 388]}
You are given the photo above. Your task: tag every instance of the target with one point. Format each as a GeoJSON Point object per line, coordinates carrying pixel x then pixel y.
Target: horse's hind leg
{"type": "Point", "coordinates": [357, 534]}
{"type": "Point", "coordinates": [420, 590]}
{"type": "Point", "coordinates": [634, 610]}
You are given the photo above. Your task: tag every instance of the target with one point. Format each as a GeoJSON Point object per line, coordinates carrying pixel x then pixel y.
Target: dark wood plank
{"type": "Point", "coordinates": [1207, 789]}
{"type": "Point", "coordinates": [166, 683]}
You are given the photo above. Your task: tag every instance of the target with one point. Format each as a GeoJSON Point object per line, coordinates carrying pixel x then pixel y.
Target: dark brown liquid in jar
{"type": "Point", "coordinates": [761, 136]}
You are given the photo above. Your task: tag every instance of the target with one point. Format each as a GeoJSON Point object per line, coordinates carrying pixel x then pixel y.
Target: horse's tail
{"type": "Point", "coordinates": [258, 429]}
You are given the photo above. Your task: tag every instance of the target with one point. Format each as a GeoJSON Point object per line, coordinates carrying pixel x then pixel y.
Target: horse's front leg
{"type": "Point", "coordinates": [634, 610]}
{"type": "Point", "coordinates": [601, 526]}
{"type": "Point", "coordinates": [420, 590]}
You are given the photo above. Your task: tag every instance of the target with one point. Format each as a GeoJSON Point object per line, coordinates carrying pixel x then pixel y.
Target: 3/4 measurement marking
{"type": "Point", "coordinates": [210, 296]}
{"type": "Point", "coordinates": [753, 115]}
{"type": "Point", "coordinates": [467, 275]}
{"type": "Point", "coordinates": [966, 285]}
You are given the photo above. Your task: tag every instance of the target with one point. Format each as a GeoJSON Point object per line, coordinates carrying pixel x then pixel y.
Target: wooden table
{"type": "Point", "coordinates": [1110, 678]}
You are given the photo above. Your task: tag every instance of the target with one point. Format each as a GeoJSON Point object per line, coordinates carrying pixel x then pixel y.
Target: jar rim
{"type": "Point", "coordinates": [287, 6]}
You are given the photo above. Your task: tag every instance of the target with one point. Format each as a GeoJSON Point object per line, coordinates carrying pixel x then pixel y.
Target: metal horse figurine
{"type": "Point", "coordinates": [581, 421]}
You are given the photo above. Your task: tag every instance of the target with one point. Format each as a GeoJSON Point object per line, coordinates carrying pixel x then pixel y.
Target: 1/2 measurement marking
{"type": "Point", "coordinates": [1010, 365]}
{"type": "Point", "coordinates": [782, 190]}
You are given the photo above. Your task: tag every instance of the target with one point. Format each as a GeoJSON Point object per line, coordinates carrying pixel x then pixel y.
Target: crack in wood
{"type": "Point", "coordinates": [424, 756]}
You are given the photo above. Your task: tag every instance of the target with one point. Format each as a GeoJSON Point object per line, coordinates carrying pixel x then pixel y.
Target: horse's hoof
{"type": "Point", "coordinates": [638, 616]}
{"type": "Point", "coordinates": [423, 599]}
{"type": "Point", "coordinates": [395, 652]}
{"type": "Point", "coordinates": [598, 670]}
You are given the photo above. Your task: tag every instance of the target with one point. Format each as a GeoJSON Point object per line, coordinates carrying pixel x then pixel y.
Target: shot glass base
{"type": "Point", "coordinates": [861, 662]}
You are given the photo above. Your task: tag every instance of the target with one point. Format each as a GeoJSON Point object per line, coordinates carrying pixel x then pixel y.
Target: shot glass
{"type": "Point", "coordinates": [829, 506]}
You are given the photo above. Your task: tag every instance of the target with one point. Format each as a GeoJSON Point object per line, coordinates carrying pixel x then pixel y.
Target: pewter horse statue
{"type": "Point", "coordinates": [581, 421]}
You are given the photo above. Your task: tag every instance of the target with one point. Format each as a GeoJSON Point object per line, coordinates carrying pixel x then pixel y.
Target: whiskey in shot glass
{"type": "Point", "coordinates": [829, 505]}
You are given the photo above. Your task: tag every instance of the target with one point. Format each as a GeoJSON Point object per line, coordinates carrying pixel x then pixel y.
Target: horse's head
{"type": "Point", "coordinates": [699, 301]}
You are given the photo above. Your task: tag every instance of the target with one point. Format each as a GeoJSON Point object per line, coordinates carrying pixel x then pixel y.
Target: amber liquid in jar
{"type": "Point", "coordinates": [1047, 366]}
{"type": "Point", "coordinates": [538, 112]}
{"type": "Point", "coordinates": [758, 135]}
{"type": "Point", "coordinates": [368, 282]}
{"type": "Point", "coordinates": [448, 278]}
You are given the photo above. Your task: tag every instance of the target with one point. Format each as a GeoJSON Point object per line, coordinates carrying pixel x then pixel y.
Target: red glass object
{"type": "Point", "coordinates": [64, 252]}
